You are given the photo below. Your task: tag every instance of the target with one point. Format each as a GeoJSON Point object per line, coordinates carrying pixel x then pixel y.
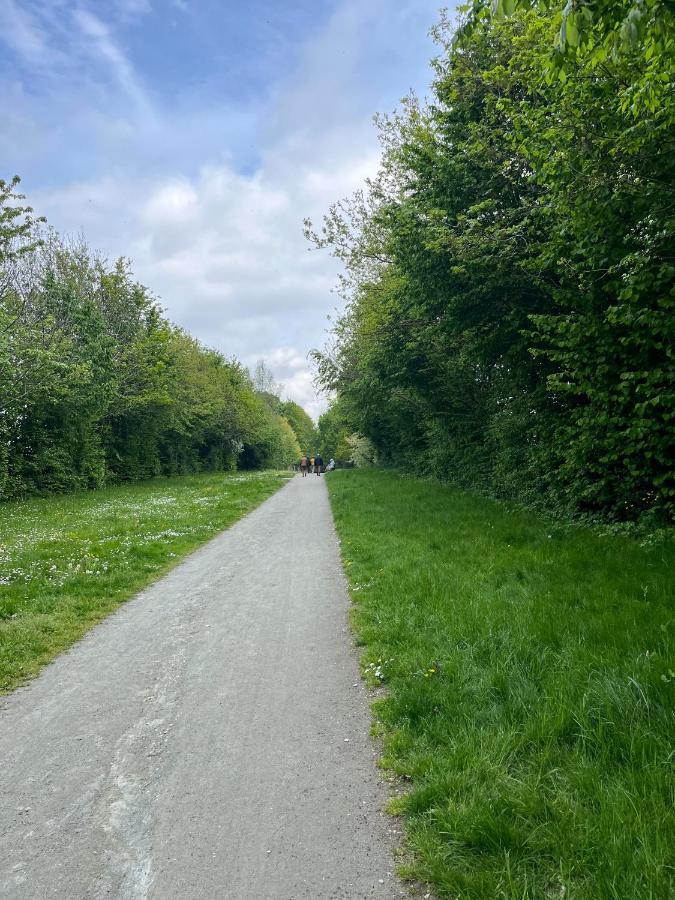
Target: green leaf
{"type": "Point", "coordinates": [572, 30]}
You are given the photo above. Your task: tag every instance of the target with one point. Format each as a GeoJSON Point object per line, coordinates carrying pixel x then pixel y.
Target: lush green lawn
{"type": "Point", "coordinates": [67, 561]}
{"type": "Point", "coordinates": [530, 685]}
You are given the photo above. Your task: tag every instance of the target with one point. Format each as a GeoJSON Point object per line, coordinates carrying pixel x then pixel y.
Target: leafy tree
{"type": "Point", "coordinates": [509, 280]}
{"type": "Point", "coordinates": [603, 27]}
{"type": "Point", "coordinates": [96, 386]}
{"type": "Point", "coordinates": [302, 425]}
{"type": "Point", "coordinates": [335, 429]}
{"type": "Point", "coordinates": [18, 237]}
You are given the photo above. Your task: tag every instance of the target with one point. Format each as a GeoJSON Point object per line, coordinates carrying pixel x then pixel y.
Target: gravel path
{"type": "Point", "coordinates": [209, 740]}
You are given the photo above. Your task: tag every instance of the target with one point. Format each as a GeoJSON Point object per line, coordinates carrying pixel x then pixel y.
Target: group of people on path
{"type": "Point", "coordinates": [315, 465]}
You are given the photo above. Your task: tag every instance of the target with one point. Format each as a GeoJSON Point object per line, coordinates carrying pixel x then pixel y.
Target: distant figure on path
{"type": "Point", "coordinates": [311, 464]}
{"type": "Point", "coordinates": [303, 466]}
{"type": "Point", "coordinates": [318, 464]}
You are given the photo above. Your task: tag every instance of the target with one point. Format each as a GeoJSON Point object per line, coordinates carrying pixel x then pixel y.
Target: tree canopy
{"type": "Point", "coordinates": [509, 276]}
{"type": "Point", "coordinates": [97, 386]}
{"type": "Point", "coordinates": [600, 28]}
{"type": "Point", "coordinates": [302, 425]}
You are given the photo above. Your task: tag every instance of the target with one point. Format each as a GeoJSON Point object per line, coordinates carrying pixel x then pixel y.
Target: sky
{"type": "Point", "coordinates": [194, 137]}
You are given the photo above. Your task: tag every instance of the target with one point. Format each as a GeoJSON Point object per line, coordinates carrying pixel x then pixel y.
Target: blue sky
{"type": "Point", "coordinates": [194, 136]}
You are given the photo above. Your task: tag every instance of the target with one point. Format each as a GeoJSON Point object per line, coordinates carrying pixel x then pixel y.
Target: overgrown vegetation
{"type": "Point", "coordinates": [529, 684]}
{"type": "Point", "coordinates": [67, 561]}
{"type": "Point", "coordinates": [98, 387]}
{"type": "Point", "coordinates": [602, 28]}
{"type": "Point", "coordinates": [509, 273]}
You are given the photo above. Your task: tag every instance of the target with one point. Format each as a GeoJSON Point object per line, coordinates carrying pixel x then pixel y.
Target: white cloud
{"type": "Point", "coordinates": [174, 202]}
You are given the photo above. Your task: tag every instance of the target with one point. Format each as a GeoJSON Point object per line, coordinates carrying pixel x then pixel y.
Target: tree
{"type": "Point", "coordinates": [96, 386]}
{"type": "Point", "coordinates": [263, 380]}
{"type": "Point", "coordinates": [509, 281]}
{"type": "Point", "coordinates": [605, 28]}
{"type": "Point", "coordinates": [302, 425]}
{"type": "Point", "coordinates": [335, 429]}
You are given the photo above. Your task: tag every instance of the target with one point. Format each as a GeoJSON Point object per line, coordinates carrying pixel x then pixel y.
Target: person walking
{"type": "Point", "coordinates": [311, 464]}
{"type": "Point", "coordinates": [318, 464]}
{"type": "Point", "coordinates": [303, 466]}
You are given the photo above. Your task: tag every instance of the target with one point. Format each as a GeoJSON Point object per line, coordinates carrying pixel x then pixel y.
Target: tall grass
{"type": "Point", "coordinates": [530, 684]}
{"type": "Point", "coordinates": [67, 561]}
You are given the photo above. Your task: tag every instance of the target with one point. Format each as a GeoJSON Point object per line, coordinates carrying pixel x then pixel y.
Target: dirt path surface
{"type": "Point", "coordinates": [209, 740]}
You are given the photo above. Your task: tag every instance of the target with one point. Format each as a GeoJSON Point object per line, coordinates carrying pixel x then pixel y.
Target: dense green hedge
{"type": "Point", "coordinates": [509, 275]}
{"type": "Point", "coordinates": [97, 387]}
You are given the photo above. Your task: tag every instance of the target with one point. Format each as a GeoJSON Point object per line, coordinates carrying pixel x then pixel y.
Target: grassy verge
{"type": "Point", "coordinates": [67, 561]}
{"type": "Point", "coordinates": [530, 691]}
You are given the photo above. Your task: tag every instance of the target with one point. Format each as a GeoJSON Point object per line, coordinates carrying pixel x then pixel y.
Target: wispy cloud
{"type": "Point", "coordinates": [24, 33]}
{"type": "Point", "coordinates": [101, 45]}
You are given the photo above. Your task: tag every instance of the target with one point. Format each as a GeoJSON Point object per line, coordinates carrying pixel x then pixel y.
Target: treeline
{"type": "Point", "coordinates": [98, 387]}
{"type": "Point", "coordinates": [509, 273]}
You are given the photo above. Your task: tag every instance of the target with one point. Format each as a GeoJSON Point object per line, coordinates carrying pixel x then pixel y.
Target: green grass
{"type": "Point", "coordinates": [67, 561]}
{"type": "Point", "coordinates": [529, 691]}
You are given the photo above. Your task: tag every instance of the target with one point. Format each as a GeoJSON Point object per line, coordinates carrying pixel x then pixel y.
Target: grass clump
{"type": "Point", "coordinates": [68, 561]}
{"type": "Point", "coordinates": [530, 690]}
